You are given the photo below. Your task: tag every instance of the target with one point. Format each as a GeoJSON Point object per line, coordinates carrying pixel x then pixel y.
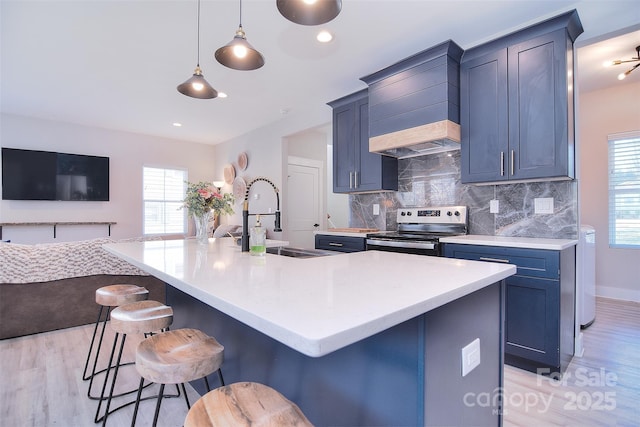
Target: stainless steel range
{"type": "Point", "coordinates": [420, 229]}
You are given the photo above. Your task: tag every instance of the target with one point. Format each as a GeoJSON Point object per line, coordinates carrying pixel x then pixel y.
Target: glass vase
{"type": "Point", "coordinates": [202, 227]}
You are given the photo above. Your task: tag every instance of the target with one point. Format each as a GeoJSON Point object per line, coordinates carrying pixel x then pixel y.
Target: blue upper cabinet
{"type": "Point", "coordinates": [355, 169]}
{"type": "Point", "coordinates": [517, 104]}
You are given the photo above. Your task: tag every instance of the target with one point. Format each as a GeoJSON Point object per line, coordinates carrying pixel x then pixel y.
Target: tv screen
{"type": "Point", "coordinates": [44, 175]}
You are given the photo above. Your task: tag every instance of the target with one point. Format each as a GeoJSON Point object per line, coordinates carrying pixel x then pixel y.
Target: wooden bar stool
{"type": "Point", "coordinates": [177, 357]}
{"type": "Point", "coordinates": [141, 317]}
{"type": "Point", "coordinates": [245, 404]}
{"type": "Point", "coordinates": [108, 297]}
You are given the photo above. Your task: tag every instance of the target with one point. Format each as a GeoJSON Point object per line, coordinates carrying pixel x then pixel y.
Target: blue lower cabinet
{"type": "Point", "coordinates": [340, 243]}
{"type": "Point", "coordinates": [539, 304]}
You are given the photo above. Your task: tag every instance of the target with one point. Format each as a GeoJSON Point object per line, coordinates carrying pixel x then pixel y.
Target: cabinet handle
{"type": "Point", "coordinates": [513, 156]}
{"type": "Point", "coordinates": [502, 163]}
{"type": "Point", "coordinates": [505, 261]}
{"type": "Point", "coordinates": [350, 179]}
{"type": "Point", "coordinates": [336, 244]}
{"type": "Point", "coordinates": [355, 174]}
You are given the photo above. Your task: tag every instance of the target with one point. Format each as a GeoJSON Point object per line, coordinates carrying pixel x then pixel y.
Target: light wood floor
{"type": "Point", "coordinates": [40, 383]}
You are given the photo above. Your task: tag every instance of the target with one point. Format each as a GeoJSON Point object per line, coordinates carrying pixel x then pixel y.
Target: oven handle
{"type": "Point", "coordinates": [401, 244]}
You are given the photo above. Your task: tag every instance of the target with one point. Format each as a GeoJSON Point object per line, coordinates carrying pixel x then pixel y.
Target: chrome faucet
{"type": "Point", "coordinates": [245, 212]}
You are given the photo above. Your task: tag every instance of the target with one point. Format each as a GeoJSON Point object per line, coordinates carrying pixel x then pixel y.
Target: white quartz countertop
{"type": "Point", "coordinates": [511, 242]}
{"type": "Point", "coordinates": [313, 305]}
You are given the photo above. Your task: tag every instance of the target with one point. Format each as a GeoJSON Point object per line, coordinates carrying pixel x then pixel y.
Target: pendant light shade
{"type": "Point", "coordinates": [309, 12]}
{"type": "Point", "coordinates": [238, 53]}
{"type": "Point", "coordinates": [197, 86]}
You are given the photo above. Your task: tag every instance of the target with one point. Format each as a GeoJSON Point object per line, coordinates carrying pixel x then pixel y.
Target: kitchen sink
{"type": "Point", "coordinates": [299, 252]}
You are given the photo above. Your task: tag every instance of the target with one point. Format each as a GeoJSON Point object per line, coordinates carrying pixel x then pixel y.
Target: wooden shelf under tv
{"type": "Point", "coordinates": [55, 224]}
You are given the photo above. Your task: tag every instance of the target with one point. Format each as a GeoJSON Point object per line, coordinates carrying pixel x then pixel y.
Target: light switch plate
{"type": "Point", "coordinates": [543, 205]}
{"type": "Point", "coordinates": [376, 209]}
{"type": "Point", "coordinates": [470, 356]}
{"type": "Point", "coordinates": [494, 206]}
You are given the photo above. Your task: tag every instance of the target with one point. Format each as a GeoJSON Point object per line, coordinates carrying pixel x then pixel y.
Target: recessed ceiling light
{"type": "Point", "coordinates": [324, 36]}
{"type": "Point", "coordinates": [176, 124]}
{"type": "Point", "coordinates": [222, 95]}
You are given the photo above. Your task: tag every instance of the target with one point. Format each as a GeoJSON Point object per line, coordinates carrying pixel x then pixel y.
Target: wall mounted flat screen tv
{"type": "Point", "coordinates": [45, 175]}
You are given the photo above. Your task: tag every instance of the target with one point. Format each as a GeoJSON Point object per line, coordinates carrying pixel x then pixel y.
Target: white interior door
{"type": "Point", "coordinates": [304, 202]}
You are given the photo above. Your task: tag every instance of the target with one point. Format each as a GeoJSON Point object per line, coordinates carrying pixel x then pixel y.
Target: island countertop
{"type": "Point", "coordinates": [313, 305]}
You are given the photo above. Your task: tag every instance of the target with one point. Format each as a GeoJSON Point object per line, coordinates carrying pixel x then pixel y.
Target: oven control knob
{"type": "Point", "coordinates": [457, 213]}
{"type": "Point", "coordinates": [449, 213]}
{"type": "Point", "coordinates": [402, 213]}
{"type": "Point", "coordinates": [409, 213]}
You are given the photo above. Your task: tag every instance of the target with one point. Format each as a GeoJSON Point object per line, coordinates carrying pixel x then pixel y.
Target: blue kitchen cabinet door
{"type": "Point", "coordinates": [344, 156]}
{"type": "Point", "coordinates": [355, 169]}
{"type": "Point", "coordinates": [532, 319]}
{"type": "Point", "coordinates": [539, 100]}
{"type": "Point", "coordinates": [517, 111]}
{"type": "Point", "coordinates": [483, 118]}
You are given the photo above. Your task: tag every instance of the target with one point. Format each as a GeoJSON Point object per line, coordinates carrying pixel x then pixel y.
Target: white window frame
{"type": "Point", "coordinates": [624, 190]}
{"type": "Point", "coordinates": [168, 203]}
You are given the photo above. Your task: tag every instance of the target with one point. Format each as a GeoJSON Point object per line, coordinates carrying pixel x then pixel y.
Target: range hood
{"type": "Point", "coordinates": [431, 138]}
{"type": "Point", "coordinates": [414, 104]}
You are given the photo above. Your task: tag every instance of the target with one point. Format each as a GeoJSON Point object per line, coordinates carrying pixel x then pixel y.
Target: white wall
{"type": "Point", "coordinates": [128, 153]}
{"type": "Point", "coordinates": [267, 150]}
{"type": "Point", "coordinates": [602, 113]}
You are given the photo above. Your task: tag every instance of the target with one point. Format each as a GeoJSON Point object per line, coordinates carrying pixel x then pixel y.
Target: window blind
{"type": "Point", "coordinates": [624, 190]}
{"type": "Point", "coordinates": [163, 195]}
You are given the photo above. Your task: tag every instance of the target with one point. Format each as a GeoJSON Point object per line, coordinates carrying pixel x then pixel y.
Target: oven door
{"type": "Point", "coordinates": [417, 247]}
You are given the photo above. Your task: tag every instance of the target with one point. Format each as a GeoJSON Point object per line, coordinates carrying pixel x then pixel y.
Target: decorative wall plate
{"type": "Point", "coordinates": [239, 188]}
{"type": "Point", "coordinates": [229, 174]}
{"type": "Point", "coordinates": [243, 161]}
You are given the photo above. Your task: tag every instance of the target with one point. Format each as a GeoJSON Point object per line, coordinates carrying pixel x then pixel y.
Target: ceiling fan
{"type": "Point", "coordinates": [621, 76]}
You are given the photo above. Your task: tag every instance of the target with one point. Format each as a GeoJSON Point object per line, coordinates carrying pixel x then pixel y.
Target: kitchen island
{"type": "Point", "coordinates": [365, 338]}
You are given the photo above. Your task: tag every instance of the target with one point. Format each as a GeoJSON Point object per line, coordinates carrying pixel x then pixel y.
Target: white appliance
{"type": "Point", "coordinates": [586, 276]}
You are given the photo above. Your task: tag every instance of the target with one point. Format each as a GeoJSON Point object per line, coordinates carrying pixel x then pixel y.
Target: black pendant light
{"type": "Point", "coordinates": [197, 86]}
{"type": "Point", "coordinates": [309, 12]}
{"type": "Point", "coordinates": [238, 53]}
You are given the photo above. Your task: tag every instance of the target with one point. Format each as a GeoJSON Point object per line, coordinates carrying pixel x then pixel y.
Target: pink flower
{"type": "Point", "coordinates": [206, 193]}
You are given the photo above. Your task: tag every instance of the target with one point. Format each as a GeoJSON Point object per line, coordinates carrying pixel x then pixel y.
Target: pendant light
{"type": "Point", "coordinates": [238, 53]}
{"type": "Point", "coordinates": [309, 12]}
{"type": "Point", "coordinates": [197, 86]}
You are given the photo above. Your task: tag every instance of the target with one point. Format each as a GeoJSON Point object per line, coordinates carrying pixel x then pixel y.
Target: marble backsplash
{"type": "Point", "coordinates": [434, 180]}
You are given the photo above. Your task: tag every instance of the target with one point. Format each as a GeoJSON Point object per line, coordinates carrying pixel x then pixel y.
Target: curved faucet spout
{"type": "Point", "coordinates": [245, 212]}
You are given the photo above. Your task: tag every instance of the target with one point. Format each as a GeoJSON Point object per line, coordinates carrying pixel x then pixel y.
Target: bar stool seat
{"type": "Point", "coordinates": [245, 404]}
{"type": "Point", "coordinates": [108, 297]}
{"type": "Point", "coordinates": [177, 357]}
{"type": "Point", "coordinates": [140, 317]}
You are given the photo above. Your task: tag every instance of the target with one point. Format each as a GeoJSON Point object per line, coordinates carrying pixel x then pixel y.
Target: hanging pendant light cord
{"type": "Point", "coordinates": [198, 33]}
{"type": "Point", "coordinates": [240, 13]}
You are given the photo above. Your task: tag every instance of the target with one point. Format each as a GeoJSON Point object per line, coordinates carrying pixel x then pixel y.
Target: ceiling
{"type": "Point", "coordinates": [115, 64]}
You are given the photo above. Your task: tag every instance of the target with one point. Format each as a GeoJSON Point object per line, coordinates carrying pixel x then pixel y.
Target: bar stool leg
{"type": "Point", "coordinates": [97, 418]}
{"type": "Point", "coordinates": [155, 416]}
{"type": "Point", "coordinates": [93, 339]}
{"type": "Point", "coordinates": [97, 355]}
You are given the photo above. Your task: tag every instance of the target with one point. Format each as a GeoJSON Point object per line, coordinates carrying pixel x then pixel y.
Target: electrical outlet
{"type": "Point", "coordinates": [376, 209]}
{"type": "Point", "coordinates": [543, 205]}
{"type": "Point", "coordinates": [494, 206]}
{"type": "Point", "coordinates": [470, 356]}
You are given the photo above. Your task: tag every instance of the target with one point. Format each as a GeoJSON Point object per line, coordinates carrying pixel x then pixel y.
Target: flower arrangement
{"type": "Point", "coordinates": [203, 197]}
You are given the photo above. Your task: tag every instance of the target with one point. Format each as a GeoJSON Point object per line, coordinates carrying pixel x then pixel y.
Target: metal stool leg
{"type": "Point", "coordinates": [93, 339]}
{"type": "Point", "coordinates": [155, 416]}
{"type": "Point", "coordinates": [97, 418]}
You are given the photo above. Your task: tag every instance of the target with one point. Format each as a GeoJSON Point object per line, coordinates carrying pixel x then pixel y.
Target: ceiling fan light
{"type": "Point", "coordinates": [309, 12]}
{"type": "Point", "coordinates": [197, 87]}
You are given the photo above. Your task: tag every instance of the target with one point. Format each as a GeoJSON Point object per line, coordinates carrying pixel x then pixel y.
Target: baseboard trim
{"type": "Point", "coordinates": [618, 293]}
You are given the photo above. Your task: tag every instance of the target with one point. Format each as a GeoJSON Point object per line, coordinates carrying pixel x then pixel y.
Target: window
{"type": "Point", "coordinates": [624, 190]}
{"type": "Point", "coordinates": [163, 194]}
